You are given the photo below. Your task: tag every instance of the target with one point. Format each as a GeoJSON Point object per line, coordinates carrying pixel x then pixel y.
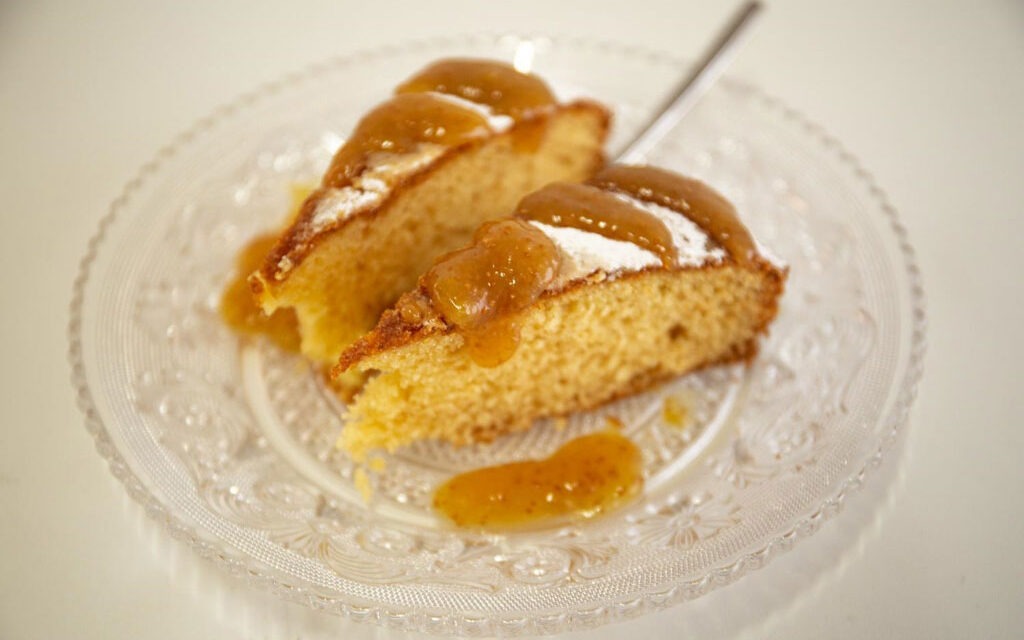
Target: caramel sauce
{"type": "Point", "coordinates": [493, 342]}
{"type": "Point", "coordinates": [238, 308]}
{"type": "Point", "coordinates": [675, 412]}
{"type": "Point", "coordinates": [413, 116]}
{"type": "Point", "coordinates": [591, 209]}
{"type": "Point", "coordinates": [700, 203]}
{"type": "Point", "coordinates": [495, 84]}
{"type": "Point", "coordinates": [399, 126]}
{"type": "Point", "coordinates": [480, 289]}
{"type": "Point", "coordinates": [587, 476]}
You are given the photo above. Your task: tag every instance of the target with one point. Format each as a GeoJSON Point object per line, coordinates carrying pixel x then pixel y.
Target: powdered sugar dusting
{"type": "Point", "coordinates": [336, 204]}
{"type": "Point", "coordinates": [585, 254]}
{"type": "Point", "coordinates": [369, 188]}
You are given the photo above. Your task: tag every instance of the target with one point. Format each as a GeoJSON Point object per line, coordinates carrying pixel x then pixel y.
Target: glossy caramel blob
{"type": "Point", "coordinates": [399, 126]}
{"type": "Point", "coordinates": [480, 289]}
{"type": "Point", "coordinates": [587, 476]}
{"type": "Point", "coordinates": [238, 306]}
{"type": "Point", "coordinates": [708, 209]}
{"type": "Point", "coordinates": [495, 84]}
{"type": "Point", "coordinates": [591, 209]}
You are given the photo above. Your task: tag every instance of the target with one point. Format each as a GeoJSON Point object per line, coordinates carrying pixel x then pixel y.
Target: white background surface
{"type": "Point", "coordinates": [929, 95]}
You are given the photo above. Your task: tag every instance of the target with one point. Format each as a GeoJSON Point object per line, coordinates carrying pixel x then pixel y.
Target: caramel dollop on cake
{"type": "Point", "coordinates": [481, 289]}
{"type": "Point", "coordinates": [598, 211]}
{"type": "Point", "coordinates": [652, 275]}
{"type": "Point", "coordinates": [458, 144]}
{"type": "Point", "coordinates": [495, 84]}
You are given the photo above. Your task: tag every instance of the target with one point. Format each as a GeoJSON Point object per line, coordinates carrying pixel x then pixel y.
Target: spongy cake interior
{"type": "Point", "coordinates": [578, 349]}
{"type": "Point", "coordinates": [341, 287]}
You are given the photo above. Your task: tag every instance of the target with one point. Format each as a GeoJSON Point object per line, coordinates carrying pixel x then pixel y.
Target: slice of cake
{"type": "Point", "coordinates": [590, 292]}
{"type": "Point", "coordinates": [459, 143]}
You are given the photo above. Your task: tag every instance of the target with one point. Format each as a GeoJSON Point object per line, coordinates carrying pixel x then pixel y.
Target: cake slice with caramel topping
{"type": "Point", "coordinates": [459, 143]}
{"type": "Point", "coordinates": [590, 292]}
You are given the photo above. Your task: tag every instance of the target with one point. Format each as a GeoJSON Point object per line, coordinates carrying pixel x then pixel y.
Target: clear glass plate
{"type": "Point", "coordinates": [228, 443]}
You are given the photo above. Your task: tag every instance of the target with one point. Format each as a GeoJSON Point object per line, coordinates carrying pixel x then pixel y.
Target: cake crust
{"type": "Point", "coordinates": [394, 331]}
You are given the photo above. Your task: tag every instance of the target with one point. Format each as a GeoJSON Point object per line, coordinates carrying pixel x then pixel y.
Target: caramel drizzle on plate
{"type": "Point", "coordinates": [238, 307]}
{"type": "Point", "coordinates": [239, 310]}
{"type": "Point", "coordinates": [587, 476]}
